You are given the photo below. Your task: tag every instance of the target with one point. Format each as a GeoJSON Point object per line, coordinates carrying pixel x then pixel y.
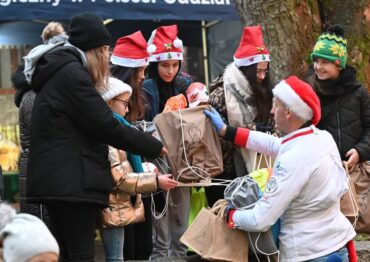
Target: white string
{"type": "Point", "coordinates": [263, 253]}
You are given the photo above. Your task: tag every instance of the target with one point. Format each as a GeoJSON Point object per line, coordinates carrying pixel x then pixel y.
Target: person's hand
{"type": "Point", "coordinates": [164, 152]}
{"type": "Point", "coordinates": [165, 182]}
{"type": "Point", "coordinates": [229, 211]}
{"type": "Point", "coordinates": [216, 119]}
{"type": "Point", "coordinates": [353, 158]}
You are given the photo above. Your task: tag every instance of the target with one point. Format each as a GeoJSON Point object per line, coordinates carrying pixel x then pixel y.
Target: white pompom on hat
{"type": "Point", "coordinates": [165, 45]}
{"type": "Point", "coordinates": [114, 88]}
{"type": "Point", "coordinates": [300, 98]}
{"type": "Point", "coordinates": [26, 236]}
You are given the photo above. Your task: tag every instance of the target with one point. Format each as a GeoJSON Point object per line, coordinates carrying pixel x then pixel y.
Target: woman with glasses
{"type": "Point", "coordinates": [243, 96]}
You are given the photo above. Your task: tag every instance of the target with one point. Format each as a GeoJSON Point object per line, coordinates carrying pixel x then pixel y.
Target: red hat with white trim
{"type": "Point", "coordinates": [164, 44]}
{"type": "Point", "coordinates": [131, 51]}
{"type": "Point", "coordinates": [300, 98]}
{"type": "Point", "coordinates": [251, 49]}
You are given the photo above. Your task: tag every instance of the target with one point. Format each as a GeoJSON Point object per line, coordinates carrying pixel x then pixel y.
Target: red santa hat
{"type": "Point", "coordinates": [300, 98]}
{"type": "Point", "coordinates": [251, 49]}
{"type": "Point", "coordinates": [131, 51]}
{"type": "Point", "coordinates": [164, 44]}
{"type": "Point", "coordinates": [114, 88]}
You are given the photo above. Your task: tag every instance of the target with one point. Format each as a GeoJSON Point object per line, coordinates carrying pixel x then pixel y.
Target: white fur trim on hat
{"type": "Point", "coordinates": [114, 88]}
{"type": "Point", "coordinates": [292, 100]}
{"type": "Point", "coordinates": [26, 236]}
{"type": "Point", "coordinates": [165, 56]}
{"type": "Point", "coordinates": [129, 62]}
{"type": "Point", "coordinates": [251, 60]}
{"type": "Point", "coordinates": [178, 43]}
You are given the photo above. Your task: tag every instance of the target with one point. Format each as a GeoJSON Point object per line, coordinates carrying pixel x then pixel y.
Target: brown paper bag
{"type": "Point", "coordinates": [210, 237]}
{"type": "Point", "coordinates": [194, 150]}
{"type": "Point", "coordinates": [348, 202]}
{"type": "Point", "coordinates": [361, 177]}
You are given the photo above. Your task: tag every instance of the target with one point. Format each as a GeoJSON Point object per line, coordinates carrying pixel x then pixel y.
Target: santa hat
{"type": "Point", "coordinates": [164, 44]}
{"type": "Point", "coordinates": [130, 51]}
{"type": "Point", "coordinates": [251, 49]}
{"type": "Point", "coordinates": [300, 98]}
{"type": "Point", "coordinates": [114, 88]}
{"type": "Point", "coordinates": [197, 93]}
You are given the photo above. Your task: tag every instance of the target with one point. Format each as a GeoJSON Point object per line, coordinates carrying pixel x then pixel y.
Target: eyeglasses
{"type": "Point", "coordinates": [262, 71]}
{"type": "Point", "coordinates": [124, 103]}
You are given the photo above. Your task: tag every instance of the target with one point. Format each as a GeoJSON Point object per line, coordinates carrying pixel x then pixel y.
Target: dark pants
{"type": "Point", "coordinates": [138, 237]}
{"type": "Point", "coordinates": [73, 225]}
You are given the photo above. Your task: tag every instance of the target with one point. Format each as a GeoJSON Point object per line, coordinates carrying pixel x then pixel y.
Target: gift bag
{"type": "Point", "coordinates": [361, 177]}
{"type": "Point", "coordinates": [198, 200]}
{"type": "Point", "coordinates": [210, 237]}
{"type": "Point", "coordinates": [348, 202]}
{"type": "Point", "coordinates": [194, 150]}
{"type": "Point", "coordinates": [243, 193]}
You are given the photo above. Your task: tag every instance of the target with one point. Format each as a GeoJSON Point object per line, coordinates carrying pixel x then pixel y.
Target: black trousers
{"type": "Point", "coordinates": [73, 225]}
{"type": "Point", "coordinates": [138, 237]}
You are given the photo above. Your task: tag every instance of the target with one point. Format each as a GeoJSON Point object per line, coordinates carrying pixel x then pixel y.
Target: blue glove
{"type": "Point", "coordinates": [215, 118]}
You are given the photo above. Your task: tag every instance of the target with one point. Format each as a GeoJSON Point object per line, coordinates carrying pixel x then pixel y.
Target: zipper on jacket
{"type": "Point", "coordinates": [339, 133]}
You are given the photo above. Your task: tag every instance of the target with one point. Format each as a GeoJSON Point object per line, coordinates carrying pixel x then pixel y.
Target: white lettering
{"type": "Point", "coordinates": [109, 1]}
{"type": "Point", "coordinates": [135, 1]}
{"type": "Point", "coordinates": [195, 2]}
{"type": "Point", "coordinates": [205, 2]}
{"type": "Point", "coordinates": [56, 3]}
{"type": "Point", "coordinates": [170, 1]}
{"type": "Point", "coordinates": [184, 1]}
{"type": "Point", "coordinates": [5, 2]}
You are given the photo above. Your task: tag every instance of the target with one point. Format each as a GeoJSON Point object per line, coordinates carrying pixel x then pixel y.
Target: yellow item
{"type": "Point", "coordinates": [261, 176]}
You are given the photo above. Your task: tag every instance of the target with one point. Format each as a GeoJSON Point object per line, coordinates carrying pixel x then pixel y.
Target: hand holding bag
{"type": "Point", "coordinates": [194, 150]}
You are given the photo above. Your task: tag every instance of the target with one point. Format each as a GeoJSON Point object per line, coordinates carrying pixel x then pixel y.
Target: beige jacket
{"type": "Point", "coordinates": [121, 211]}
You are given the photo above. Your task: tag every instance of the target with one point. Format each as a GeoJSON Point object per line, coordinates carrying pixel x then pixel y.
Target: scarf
{"type": "Point", "coordinates": [134, 160]}
{"type": "Point", "coordinates": [36, 53]}
{"type": "Point", "coordinates": [240, 112]}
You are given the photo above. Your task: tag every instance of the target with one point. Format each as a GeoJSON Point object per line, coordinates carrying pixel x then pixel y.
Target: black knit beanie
{"type": "Point", "coordinates": [87, 31]}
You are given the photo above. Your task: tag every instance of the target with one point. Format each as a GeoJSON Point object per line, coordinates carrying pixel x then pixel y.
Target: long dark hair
{"type": "Point", "coordinates": [261, 94]}
{"type": "Point", "coordinates": [130, 76]}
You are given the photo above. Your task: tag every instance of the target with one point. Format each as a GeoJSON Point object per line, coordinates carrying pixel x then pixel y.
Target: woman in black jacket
{"type": "Point", "coordinates": [68, 166]}
{"type": "Point", "coordinates": [24, 98]}
{"type": "Point", "coordinates": [345, 104]}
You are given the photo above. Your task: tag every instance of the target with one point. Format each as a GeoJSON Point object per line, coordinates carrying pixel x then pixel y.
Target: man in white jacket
{"type": "Point", "coordinates": [307, 180]}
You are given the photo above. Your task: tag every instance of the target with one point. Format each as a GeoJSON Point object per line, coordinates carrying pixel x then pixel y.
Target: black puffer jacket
{"type": "Point", "coordinates": [24, 99]}
{"type": "Point", "coordinates": [71, 127]}
{"type": "Point", "coordinates": [345, 111]}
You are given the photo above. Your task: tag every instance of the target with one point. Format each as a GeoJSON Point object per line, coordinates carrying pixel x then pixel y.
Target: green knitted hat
{"type": "Point", "coordinates": [332, 46]}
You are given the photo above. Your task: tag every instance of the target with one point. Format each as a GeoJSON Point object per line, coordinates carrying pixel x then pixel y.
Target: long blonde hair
{"type": "Point", "coordinates": [98, 66]}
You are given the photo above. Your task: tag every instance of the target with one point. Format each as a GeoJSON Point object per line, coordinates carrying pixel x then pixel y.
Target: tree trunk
{"type": "Point", "coordinates": [290, 30]}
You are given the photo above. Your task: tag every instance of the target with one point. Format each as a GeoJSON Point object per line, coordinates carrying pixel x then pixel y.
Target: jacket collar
{"type": "Point", "coordinates": [300, 132]}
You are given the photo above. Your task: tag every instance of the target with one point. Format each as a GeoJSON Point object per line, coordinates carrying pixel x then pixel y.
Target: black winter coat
{"type": "Point", "coordinates": [345, 112]}
{"type": "Point", "coordinates": [71, 127]}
